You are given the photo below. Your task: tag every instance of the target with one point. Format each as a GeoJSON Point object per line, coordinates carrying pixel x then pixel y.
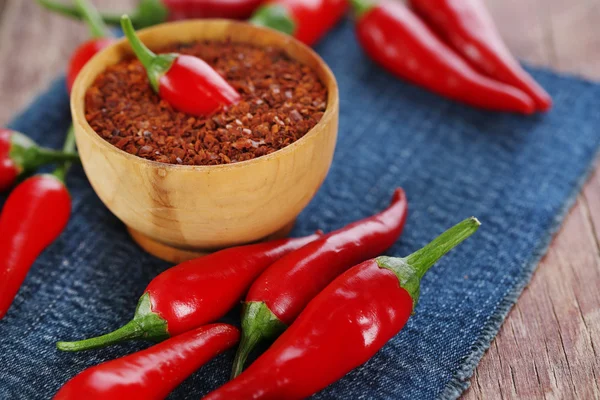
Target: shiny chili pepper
{"type": "Point", "coordinates": [101, 38]}
{"type": "Point", "coordinates": [153, 373]}
{"type": "Point", "coordinates": [20, 155]}
{"type": "Point", "coordinates": [186, 82]}
{"type": "Point", "coordinates": [153, 12]}
{"type": "Point", "coordinates": [396, 38]}
{"type": "Point", "coordinates": [194, 293]}
{"type": "Point", "coordinates": [306, 20]}
{"type": "Point", "coordinates": [469, 28]}
{"type": "Point", "coordinates": [280, 293]}
{"type": "Point", "coordinates": [344, 326]}
{"type": "Point", "coordinates": [34, 215]}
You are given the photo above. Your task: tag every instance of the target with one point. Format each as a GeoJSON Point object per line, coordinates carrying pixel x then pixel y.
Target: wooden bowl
{"type": "Point", "coordinates": [179, 212]}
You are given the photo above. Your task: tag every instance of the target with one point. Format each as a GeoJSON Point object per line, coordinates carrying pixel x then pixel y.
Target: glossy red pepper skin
{"type": "Point", "coordinates": [280, 293]}
{"type": "Point", "coordinates": [306, 20]}
{"type": "Point", "coordinates": [34, 215]}
{"type": "Point", "coordinates": [195, 292]}
{"type": "Point", "coordinates": [194, 87]}
{"type": "Point", "coordinates": [231, 9]}
{"type": "Point", "coordinates": [153, 373]}
{"type": "Point", "coordinates": [468, 26]}
{"type": "Point", "coordinates": [342, 327]}
{"type": "Point", "coordinates": [82, 55]}
{"type": "Point", "coordinates": [397, 39]}
{"type": "Point", "coordinates": [9, 170]}
{"type": "Point", "coordinates": [186, 82]}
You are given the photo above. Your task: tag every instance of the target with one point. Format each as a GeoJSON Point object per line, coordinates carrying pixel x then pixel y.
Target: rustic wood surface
{"type": "Point", "coordinates": [549, 346]}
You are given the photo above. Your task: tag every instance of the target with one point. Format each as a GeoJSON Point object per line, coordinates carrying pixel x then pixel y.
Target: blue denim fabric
{"type": "Point", "coordinates": [517, 174]}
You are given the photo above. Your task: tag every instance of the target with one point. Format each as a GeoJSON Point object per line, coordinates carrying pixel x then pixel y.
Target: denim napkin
{"type": "Point", "coordinates": [517, 174]}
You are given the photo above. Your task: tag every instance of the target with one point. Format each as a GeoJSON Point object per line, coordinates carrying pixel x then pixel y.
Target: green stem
{"type": "Point", "coordinates": [156, 65]}
{"type": "Point", "coordinates": [145, 325]}
{"type": "Point", "coordinates": [92, 17]}
{"type": "Point", "coordinates": [74, 12]}
{"type": "Point", "coordinates": [422, 260]}
{"type": "Point", "coordinates": [410, 270]}
{"type": "Point", "coordinates": [274, 16]}
{"type": "Point", "coordinates": [129, 331]}
{"type": "Point", "coordinates": [361, 7]}
{"type": "Point", "coordinates": [258, 323]}
{"type": "Point", "coordinates": [69, 147]}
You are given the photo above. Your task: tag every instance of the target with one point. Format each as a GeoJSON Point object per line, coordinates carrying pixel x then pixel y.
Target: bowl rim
{"type": "Point", "coordinates": [332, 107]}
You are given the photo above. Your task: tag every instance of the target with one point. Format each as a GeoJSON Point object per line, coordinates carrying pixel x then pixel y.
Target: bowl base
{"type": "Point", "coordinates": [175, 255]}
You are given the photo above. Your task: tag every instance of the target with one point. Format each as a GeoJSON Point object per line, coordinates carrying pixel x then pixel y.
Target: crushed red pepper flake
{"type": "Point", "coordinates": [281, 101]}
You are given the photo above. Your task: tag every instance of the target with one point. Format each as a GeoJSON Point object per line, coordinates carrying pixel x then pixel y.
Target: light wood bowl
{"type": "Point", "coordinates": [179, 212]}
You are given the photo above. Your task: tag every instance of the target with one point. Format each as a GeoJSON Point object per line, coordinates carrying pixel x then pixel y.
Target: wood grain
{"type": "Point", "coordinates": [549, 346]}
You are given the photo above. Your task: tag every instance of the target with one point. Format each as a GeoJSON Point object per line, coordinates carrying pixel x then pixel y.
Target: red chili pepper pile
{"type": "Point", "coordinates": [280, 293]}
{"type": "Point", "coordinates": [343, 326]}
{"type": "Point", "coordinates": [401, 42]}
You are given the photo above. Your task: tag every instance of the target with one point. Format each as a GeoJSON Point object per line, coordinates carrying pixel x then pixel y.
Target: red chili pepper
{"type": "Point", "coordinates": [153, 12]}
{"type": "Point", "coordinates": [34, 215]}
{"type": "Point", "coordinates": [344, 326]}
{"type": "Point", "coordinates": [186, 82]}
{"type": "Point", "coordinates": [20, 155]}
{"type": "Point", "coordinates": [396, 38]}
{"type": "Point", "coordinates": [194, 293]}
{"type": "Point", "coordinates": [469, 28]}
{"type": "Point", "coordinates": [280, 293]}
{"type": "Point", "coordinates": [101, 38]}
{"type": "Point", "coordinates": [306, 20]}
{"type": "Point", "coordinates": [153, 373]}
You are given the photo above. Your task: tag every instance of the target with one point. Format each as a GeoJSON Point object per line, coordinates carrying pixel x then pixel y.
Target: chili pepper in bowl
{"type": "Point", "coordinates": [344, 326]}
{"type": "Point", "coordinates": [394, 37]}
{"type": "Point", "coordinates": [20, 155]}
{"type": "Point", "coordinates": [34, 215]}
{"type": "Point", "coordinates": [186, 82]}
{"type": "Point", "coordinates": [153, 12]}
{"type": "Point", "coordinates": [101, 38]}
{"type": "Point", "coordinates": [280, 293]}
{"type": "Point", "coordinates": [307, 21]}
{"type": "Point", "coordinates": [469, 28]}
{"type": "Point", "coordinates": [194, 293]}
{"type": "Point", "coordinates": [153, 373]}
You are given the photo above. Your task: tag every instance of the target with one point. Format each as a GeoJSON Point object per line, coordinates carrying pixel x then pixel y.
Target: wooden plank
{"type": "Point", "coordinates": [548, 347]}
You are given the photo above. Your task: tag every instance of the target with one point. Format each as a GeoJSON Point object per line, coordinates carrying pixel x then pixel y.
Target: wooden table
{"type": "Point", "coordinates": [549, 346]}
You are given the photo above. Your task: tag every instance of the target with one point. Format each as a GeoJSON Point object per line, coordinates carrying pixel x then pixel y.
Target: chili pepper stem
{"type": "Point", "coordinates": [411, 269]}
{"type": "Point", "coordinates": [258, 324]}
{"type": "Point", "coordinates": [68, 147]}
{"type": "Point", "coordinates": [156, 65]}
{"type": "Point", "coordinates": [274, 16]}
{"type": "Point", "coordinates": [148, 13]}
{"type": "Point", "coordinates": [92, 17]}
{"type": "Point", "coordinates": [361, 7]}
{"type": "Point", "coordinates": [145, 325]}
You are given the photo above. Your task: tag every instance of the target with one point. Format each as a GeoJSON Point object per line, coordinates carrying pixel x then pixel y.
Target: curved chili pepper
{"type": "Point", "coordinates": [153, 12]}
{"type": "Point", "coordinates": [469, 28]}
{"type": "Point", "coordinates": [280, 293]}
{"type": "Point", "coordinates": [34, 215]}
{"type": "Point", "coordinates": [194, 293]}
{"type": "Point", "coordinates": [306, 20]}
{"type": "Point", "coordinates": [20, 155]}
{"type": "Point", "coordinates": [153, 373]}
{"type": "Point", "coordinates": [344, 326]}
{"type": "Point", "coordinates": [396, 38]}
{"type": "Point", "coordinates": [186, 82]}
{"type": "Point", "coordinates": [101, 38]}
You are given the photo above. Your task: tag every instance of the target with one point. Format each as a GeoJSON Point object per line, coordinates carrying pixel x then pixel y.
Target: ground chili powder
{"type": "Point", "coordinates": [281, 101]}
